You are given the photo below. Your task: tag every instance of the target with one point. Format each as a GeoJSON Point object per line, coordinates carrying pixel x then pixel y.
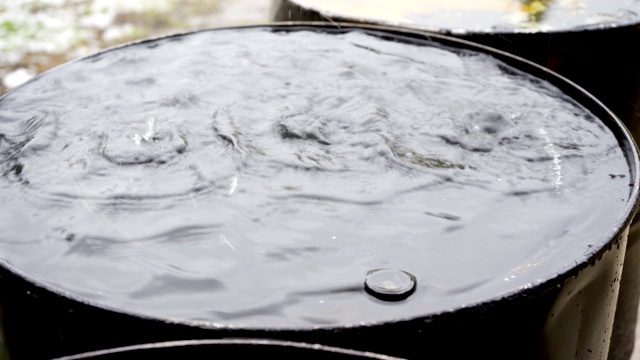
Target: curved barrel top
{"type": "Point", "coordinates": [254, 178]}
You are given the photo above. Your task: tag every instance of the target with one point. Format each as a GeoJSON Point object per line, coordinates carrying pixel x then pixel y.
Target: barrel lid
{"type": "Point", "coordinates": [295, 177]}
{"type": "Point", "coordinates": [483, 16]}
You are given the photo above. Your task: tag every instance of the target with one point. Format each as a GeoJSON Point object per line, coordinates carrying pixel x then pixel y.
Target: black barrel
{"type": "Point", "coordinates": [363, 187]}
{"type": "Point", "coordinates": [230, 348]}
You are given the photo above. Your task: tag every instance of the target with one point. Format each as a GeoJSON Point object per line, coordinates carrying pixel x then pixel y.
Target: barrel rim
{"type": "Point", "coordinates": [569, 88]}
{"type": "Point", "coordinates": [230, 341]}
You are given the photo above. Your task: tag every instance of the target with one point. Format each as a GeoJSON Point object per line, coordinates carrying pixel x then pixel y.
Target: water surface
{"type": "Point", "coordinates": [254, 178]}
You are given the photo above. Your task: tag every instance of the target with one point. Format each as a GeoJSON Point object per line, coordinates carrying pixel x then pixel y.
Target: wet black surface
{"type": "Point", "coordinates": [251, 178]}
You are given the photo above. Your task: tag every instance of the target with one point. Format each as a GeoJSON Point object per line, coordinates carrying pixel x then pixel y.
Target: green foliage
{"type": "Point", "coordinates": [8, 27]}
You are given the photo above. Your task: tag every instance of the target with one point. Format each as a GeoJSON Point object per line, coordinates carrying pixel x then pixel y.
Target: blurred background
{"type": "Point", "coordinates": [36, 35]}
